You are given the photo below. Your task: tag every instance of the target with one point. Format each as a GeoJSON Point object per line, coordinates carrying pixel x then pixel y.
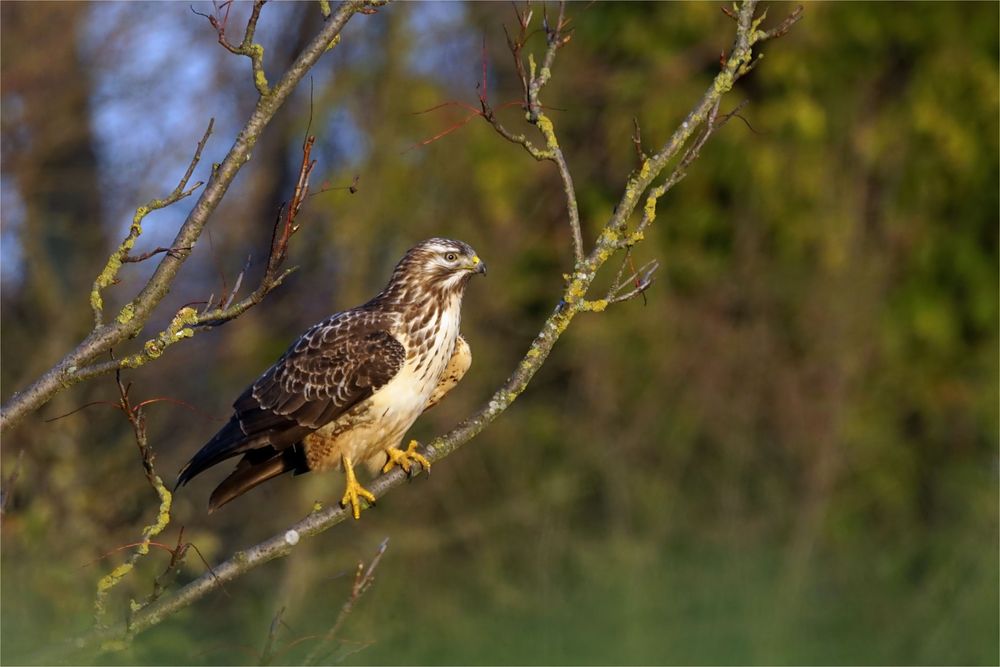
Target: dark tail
{"type": "Point", "coordinates": [228, 442]}
{"type": "Point", "coordinates": [255, 468]}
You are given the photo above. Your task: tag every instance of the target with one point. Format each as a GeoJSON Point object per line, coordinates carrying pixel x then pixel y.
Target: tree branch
{"type": "Point", "coordinates": [137, 419]}
{"type": "Point", "coordinates": [247, 47]}
{"type": "Point", "coordinates": [73, 368]}
{"type": "Point", "coordinates": [533, 82]}
{"type": "Point", "coordinates": [613, 238]}
{"type": "Point", "coordinates": [109, 275]}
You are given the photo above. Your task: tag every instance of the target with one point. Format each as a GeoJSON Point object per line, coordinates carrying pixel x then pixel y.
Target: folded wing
{"type": "Point", "coordinates": [331, 368]}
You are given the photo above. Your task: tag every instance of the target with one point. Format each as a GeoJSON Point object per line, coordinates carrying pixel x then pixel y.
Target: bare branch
{"type": "Point", "coordinates": [109, 274]}
{"type": "Point", "coordinates": [78, 365]}
{"type": "Point", "coordinates": [137, 419]}
{"type": "Point", "coordinates": [533, 82]}
{"type": "Point", "coordinates": [641, 280]}
{"type": "Point", "coordinates": [267, 654]}
{"type": "Point", "coordinates": [247, 47]}
{"type": "Point", "coordinates": [782, 28]}
{"type": "Point", "coordinates": [363, 579]}
{"type": "Point", "coordinates": [637, 141]}
{"type": "Point", "coordinates": [614, 237]}
{"type": "Point", "coordinates": [134, 259]}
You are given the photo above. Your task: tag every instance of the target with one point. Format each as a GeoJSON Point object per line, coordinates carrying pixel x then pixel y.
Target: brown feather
{"type": "Point", "coordinates": [326, 378]}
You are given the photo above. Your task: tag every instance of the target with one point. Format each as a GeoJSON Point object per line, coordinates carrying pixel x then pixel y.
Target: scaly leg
{"type": "Point", "coordinates": [354, 490]}
{"type": "Point", "coordinates": [404, 459]}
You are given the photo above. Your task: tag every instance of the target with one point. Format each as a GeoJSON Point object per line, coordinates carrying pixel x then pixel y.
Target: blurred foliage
{"type": "Point", "coordinates": [789, 454]}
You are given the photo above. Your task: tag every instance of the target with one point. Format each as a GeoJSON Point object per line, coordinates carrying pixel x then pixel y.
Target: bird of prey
{"type": "Point", "coordinates": [351, 386]}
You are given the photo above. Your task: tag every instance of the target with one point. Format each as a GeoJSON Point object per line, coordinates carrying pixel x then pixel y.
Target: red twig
{"type": "Point", "coordinates": [326, 187]}
{"type": "Point", "coordinates": [149, 401]}
{"type": "Point", "coordinates": [279, 244]}
{"type": "Point", "coordinates": [158, 545]}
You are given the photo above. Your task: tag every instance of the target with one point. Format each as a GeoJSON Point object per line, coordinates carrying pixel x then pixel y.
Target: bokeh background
{"type": "Point", "coordinates": [787, 454]}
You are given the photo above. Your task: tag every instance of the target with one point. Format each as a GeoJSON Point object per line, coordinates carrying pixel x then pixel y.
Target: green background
{"type": "Point", "coordinates": [787, 454]}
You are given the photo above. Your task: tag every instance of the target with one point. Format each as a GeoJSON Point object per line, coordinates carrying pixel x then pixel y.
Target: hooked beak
{"type": "Point", "coordinates": [477, 265]}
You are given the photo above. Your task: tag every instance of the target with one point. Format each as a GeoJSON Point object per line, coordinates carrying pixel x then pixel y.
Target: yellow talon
{"type": "Point", "coordinates": [354, 490]}
{"type": "Point", "coordinates": [404, 459]}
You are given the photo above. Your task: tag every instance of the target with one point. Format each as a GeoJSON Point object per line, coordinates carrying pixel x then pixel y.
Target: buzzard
{"type": "Point", "coordinates": [351, 386]}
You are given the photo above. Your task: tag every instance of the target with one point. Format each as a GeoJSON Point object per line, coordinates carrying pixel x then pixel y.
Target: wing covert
{"type": "Point", "coordinates": [331, 368]}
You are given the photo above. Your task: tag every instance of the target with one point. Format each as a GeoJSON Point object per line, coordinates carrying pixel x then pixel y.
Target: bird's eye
{"type": "Point", "coordinates": [451, 257]}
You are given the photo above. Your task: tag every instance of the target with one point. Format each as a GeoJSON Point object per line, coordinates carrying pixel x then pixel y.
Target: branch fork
{"type": "Point", "coordinates": [616, 236]}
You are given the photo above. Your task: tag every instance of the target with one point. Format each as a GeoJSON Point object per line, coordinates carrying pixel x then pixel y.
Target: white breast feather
{"type": "Point", "coordinates": [398, 404]}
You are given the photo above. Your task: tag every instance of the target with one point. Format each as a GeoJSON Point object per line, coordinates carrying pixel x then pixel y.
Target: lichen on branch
{"type": "Point", "coordinates": [80, 364]}
{"type": "Point", "coordinates": [616, 236]}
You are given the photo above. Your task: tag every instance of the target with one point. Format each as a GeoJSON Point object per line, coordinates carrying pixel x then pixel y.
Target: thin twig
{"type": "Point", "coordinates": [79, 364]}
{"type": "Point", "coordinates": [637, 140]}
{"type": "Point", "coordinates": [246, 47]}
{"type": "Point", "coordinates": [571, 303]}
{"type": "Point", "coordinates": [137, 419]}
{"type": "Point", "coordinates": [109, 274]}
{"type": "Point", "coordinates": [782, 28]}
{"type": "Point", "coordinates": [267, 653]}
{"type": "Point", "coordinates": [532, 83]}
{"type": "Point", "coordinates": [363, 579]}
{"type": "Point", "coordinates": [8, 486]}
{"type": "Point", "coordinates": [146, 255]}
{"type": "Point", "coordinates": [641, 281]}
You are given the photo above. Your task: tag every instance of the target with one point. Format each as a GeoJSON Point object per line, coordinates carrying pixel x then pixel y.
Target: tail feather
{"type": "Point", "coordinates": [228, 442]}
{"type": "Point", "coordinates": [254, 469]}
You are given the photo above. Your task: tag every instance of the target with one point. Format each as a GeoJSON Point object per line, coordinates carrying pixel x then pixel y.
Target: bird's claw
{"type": "Point", "coordinates": [352, 495]}
{"type": "Point", "coordinates": [353, 491]}
{"type": "Point", "coordinates": [405, 458]}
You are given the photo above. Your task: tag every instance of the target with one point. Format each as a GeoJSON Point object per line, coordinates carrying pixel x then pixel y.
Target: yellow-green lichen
{"type": "Point", "coordinates": [548, 131]}
{"type": "Point", "coordinates": [133, 361]}
{"type": "Point", "coordinates": [260, 81]}
{"type": "Point", "coordinates": [148, 533]}
{"type": "Point", "coordinates": [757, 21]}
{"type": "Point", "coordinates": [576, 290]}
{"type": "Point", "coordinates": [186, 315]}
{"type": "Point", "coordinates": [644, 170]}
{"type": "Point", "coordinates": [324, 8]}
{"type": "Point", "coordinates": [153, 349]}
{"type": "Point", "coordinates": [723, 83]}
{"type": "Point", "coordinates": [96, 302]}
{"type": "Point", "coordinates": [256, 54]}
{"type": "Point", "coordinates": [649, 210]}
{"type": "Point", "coordinates": [126, 314]}
{"type": "Point", "coordinates": [597, 306]}
{"type": "Point", "coordinates": [162, 517]}
{"type": "Point", "coordinates": [113, 577]}
{"type": "Point", "coordinates": [109, 273]}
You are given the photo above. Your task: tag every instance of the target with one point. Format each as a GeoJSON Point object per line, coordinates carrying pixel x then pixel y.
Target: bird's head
{"type": "Point", "coordinates": [443, 264]}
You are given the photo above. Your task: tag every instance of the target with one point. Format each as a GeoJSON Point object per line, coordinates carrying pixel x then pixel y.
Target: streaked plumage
{"type": "Point", "coordinates": [352, 385]}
